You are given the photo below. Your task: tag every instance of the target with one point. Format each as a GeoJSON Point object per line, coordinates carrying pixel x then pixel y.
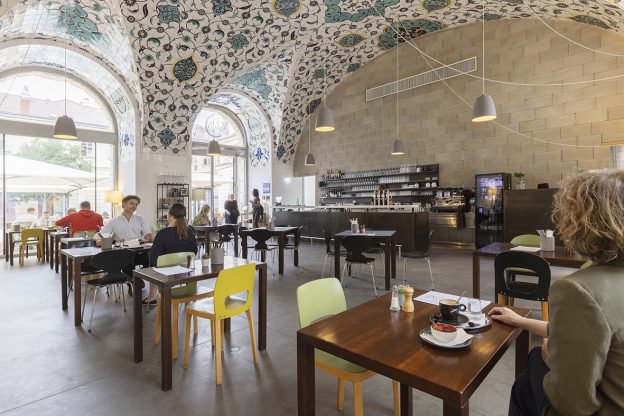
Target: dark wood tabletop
{"type": "Point", "coordinates": [165, 283]}
{"type": "Point", "coordinates": [280, 233]}
{"type": "Point", "coordinates": [388, 237]}
{"type": "Point", "coordinates": [386, 342]}
{"type": "Point", "coordinates": [559, 258]}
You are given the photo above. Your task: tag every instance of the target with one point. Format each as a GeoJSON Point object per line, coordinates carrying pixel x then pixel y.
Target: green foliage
{"type": "Point", "coordinates": [519, 175]}
{"type": "Point", "coordinates": [57, 153]}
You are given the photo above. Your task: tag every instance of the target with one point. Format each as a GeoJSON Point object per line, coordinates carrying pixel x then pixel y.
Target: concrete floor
{"type": "Point", "coordinates": [49, 367]}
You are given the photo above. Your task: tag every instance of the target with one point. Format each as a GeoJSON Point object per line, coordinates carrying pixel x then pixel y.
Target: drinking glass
{"type": "Point", "coordinates": [474, 307]}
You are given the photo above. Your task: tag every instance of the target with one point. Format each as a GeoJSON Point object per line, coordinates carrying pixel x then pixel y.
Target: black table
{"type": "Point", "coordinates": [207, 229]}
{"type": "Point", "coordinates": [280, 233]}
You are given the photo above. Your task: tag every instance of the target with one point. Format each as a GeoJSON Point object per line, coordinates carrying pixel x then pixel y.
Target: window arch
{"type": "Point", "coordinates": [212, 123]}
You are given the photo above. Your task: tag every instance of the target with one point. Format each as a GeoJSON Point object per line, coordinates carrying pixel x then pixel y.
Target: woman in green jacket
{"type": "Point", "coordinates": [579, 370]}
{"type": "Point", "coordinates": [203, 217]}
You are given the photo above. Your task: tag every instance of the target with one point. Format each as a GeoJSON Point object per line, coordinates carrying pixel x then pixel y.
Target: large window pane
{"type": "Point", "coordinates": [105, 177]}
{"type": "Point", "coordinates": [201, 183]}
{"type": "Point", "coordinates": [223, 182]}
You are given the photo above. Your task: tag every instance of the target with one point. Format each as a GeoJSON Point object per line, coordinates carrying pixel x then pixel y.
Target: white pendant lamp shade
{"type": "Point", "coordinates": [398, 148]}
{"type": "Point", "coordinates": [214, 149]}
{"type": "Point", "coordinates": [309, 160]}
{"type": "Point", "coordinates": [483, 109]}
{"type": "Point", "coordinates": [324, 120]}
{"type": "Point", "coordinates": [65, 128]}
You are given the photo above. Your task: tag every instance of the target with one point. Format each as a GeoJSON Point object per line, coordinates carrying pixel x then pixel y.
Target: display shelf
{"type": "Point", "coordinates": [168, 194]}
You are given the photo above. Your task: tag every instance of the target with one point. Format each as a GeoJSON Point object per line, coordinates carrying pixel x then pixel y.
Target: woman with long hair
{"type": "Point", "coordinates": [178, 237]}
{"type": "Point", "coordinates": [579, 370]}
{"type": "Point", "coordinates": [203, 216]}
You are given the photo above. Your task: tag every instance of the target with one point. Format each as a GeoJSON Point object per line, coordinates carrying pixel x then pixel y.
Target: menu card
{"type": "Point", "coordinates": [170, 271]}
{"type": "Point", "coordinates": [434, 298]}
{"type": "Point", "coordinates": [525, 248]}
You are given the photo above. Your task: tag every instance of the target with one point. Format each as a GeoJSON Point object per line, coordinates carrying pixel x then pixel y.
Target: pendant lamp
{"type": "Point", "coordinates": [397, 147]}
{"type": "Point", "coordinates": [325, 117]}
{"type": "Point", "coordinates": [484, 108]}
{"type": "Point", "coordinates": [214, 149]}
{"type": "Point", "coordinates": [309, 157]}
{"type": "Point", "coordinates": [65, 128]}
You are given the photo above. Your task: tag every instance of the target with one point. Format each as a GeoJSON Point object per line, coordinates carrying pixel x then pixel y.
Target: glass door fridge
{"type": "Point", "coordinates": [489, 207]}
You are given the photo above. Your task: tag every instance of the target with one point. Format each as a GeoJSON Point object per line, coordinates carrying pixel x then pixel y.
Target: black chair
{"type": "Point", "coordinates": [111, 262]}
{"type": "Point", "coordinates": [329, 253]}
{"type": "Point", "coordinates": [355, 247]}
{"type": "Point", "coordinates": [292, 244]}
{"type": "Point", "coordinates": [507, 289]}
{"type": "Point", "coordinates": [420, 255]}
{"type": "Point", "coordinates": [86, 268]}
{"type": "Point", "coordinates": [226, 233]}
{"type": "Point", "coordinates": [261, 236]}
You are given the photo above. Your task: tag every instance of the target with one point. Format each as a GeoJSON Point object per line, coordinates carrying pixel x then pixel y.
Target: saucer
{"type": "Point", "coordinates": [466, 339]}
{"type": "Point", "coordinates": [437, 318]}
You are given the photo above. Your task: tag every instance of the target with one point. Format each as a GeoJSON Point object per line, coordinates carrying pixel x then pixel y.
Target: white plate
{"type": "Point", "coordinates": [466, 339]}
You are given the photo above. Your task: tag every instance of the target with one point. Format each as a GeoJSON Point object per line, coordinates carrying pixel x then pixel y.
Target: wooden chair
{"type": "Point", "coordinates": [179, 295]}
{"type": "Point", "coordinates": [317, 300]}
{"type": "Point", "coordinates": [507, 289]}
{"type": "Point", "coordinates": [224, 304]}
{"type": "Point", "coordinates": [31, 237]}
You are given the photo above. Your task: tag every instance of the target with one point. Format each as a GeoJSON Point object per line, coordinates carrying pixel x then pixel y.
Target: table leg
{"type": "Point", "coordinates": [244, 244]}
{"type": "Point", "coordinates": [137, 321]}
{"type": "Point", "coordinates": [51, 257]}
{"type": "Point", "coordinates": [65, 280]}
{"type": "Point", "coordinates": [262, 308]}
{"type": "Point", "coordinates": [64, 290]}
{"type": "Point", "coordinates": [77, 292]}
{"type": "Point", "coordinates": [387, 264]}
{"type": "Point", "coordinates": [45, 246]}
{"type": "Point", "coordinates": [281, 242]}
{"type": "Point", "coordinates": [165, 334]}
{"type": "Point", "coordinates": [57, 247]}
{"type": "Point", "coordinates": [337, 271]}
{"type": "Point", "coordinates": [305, 378]}
{"type": "Point", "coordinates": [393, 258]}
{"type": "Point", "coordinates": [407, 404]}
{"type": "Point", "coordinates": [522, 351]}
{"type": "Point", "coordinates": [455, 409]}
{"type": "Point", "coordinates": [206, 241]}
{"type": "Point", "coordinates": [235, 243]}
{"type": "Point", "coordinates": [11, 250]}
{"type": "Point", "coordinates": [6, 246]}
{"type": "Point", "coordinates": [476, 276]}
{"type": "Point", "coordinates": [296, 250]}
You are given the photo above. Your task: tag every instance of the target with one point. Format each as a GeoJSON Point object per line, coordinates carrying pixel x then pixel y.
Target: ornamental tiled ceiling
{"type": "Point", "coordinates": [280, 53]}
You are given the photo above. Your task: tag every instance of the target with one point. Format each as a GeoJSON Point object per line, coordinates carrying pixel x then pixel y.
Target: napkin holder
{"type": "Point", "coordinates": [216, 255]}
{"type": "Point", "coordinates": [547, 243]}
{"type": "Point", "coordinates": [106, 243]}
{"type": "Point", "coordinates": [355, 227]}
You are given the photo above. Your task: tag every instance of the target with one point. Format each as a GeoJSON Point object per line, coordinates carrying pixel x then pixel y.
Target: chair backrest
{"type": "Point", "coordinates": [328, 237]}
{"type": "Point", "coordinates": [173, 259]}
{"type": "Point", "coordinates": [231, 282]}
{"type": "Point", "coordinates": [260, 236]}
{"type": "Point", "coordinates": [226, 232]}
{"type": "Point", "coordinates": [587, 264]}
{"type": "Point", "coordinates": [356, 245]}
{"type": "Point", "coordinates": [297, 238]}
{"type": "Point", "coordinates": [536, 264]}
{"type": "Point", "coordinates": [113, 260]}
{"type": "Point", "coordinates": [32, 233]}
{"type": "Point", "coordinates": [429, 240]}
{"type": "Point", "coordinates": [318, 299]}
{"type": "Point", "coordinates": [529, 240]}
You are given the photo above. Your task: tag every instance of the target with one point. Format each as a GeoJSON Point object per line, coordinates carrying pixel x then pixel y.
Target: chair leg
{"type": "Point", "coordinates": [84, 303]}
{"type": "Point", "coordinates": [252, 334]}
{"type": "Point", "coordinates": [430, 274]}
{"type": "Point", "coordinates": [396, 397]}
{"type": "Point", "coordinates": [157, 327]}
{"type": "Point", "coordinates": [324, 264]}
{"type": "Point", "coordinates": [372, 266]}
{"type": "Point", "coordinates": [187, 336]}
{"type": "Point", "coordinates": [123, 296]}
{"type": "Point", "coordinates": [195, 328]}
{"type": "Point", "coordinates": [501, 299]}
{"type": "Point", "coordinates": [340, 395]}
{"type": "Point", "coordinates": [545, 310]}
{"type": "Point", "coordinates": [213, 338]}
{"type": "Point", "coordinates": [219, 344]}
{"type": "Point", "coordinates": [404, 270]}
{"type": "Point", "coordinates": [358, 407]}
{"type": "Point", "coordinates": [510, 301]}
{"type": "Point", "coordinates": [95, 290]}
{"type": "Point", "coordinates": [344, 276]}
{"type": "Point", "coordinates": [174, 332]}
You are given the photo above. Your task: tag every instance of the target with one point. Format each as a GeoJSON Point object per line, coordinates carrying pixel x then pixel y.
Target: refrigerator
{"type": "Point", "coordinates": [489, 205]}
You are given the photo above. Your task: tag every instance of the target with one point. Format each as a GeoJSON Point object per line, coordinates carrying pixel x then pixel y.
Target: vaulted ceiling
{"type": "Point", "coordinates": [282, 54]}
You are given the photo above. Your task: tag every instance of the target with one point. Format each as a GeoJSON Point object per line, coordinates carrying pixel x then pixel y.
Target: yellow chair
{"type": "Point", "coordinates": [317, 300]}
{"type": "Point", "coordinates": [224, 305]}
{"type": "Point", "coordinates": [179, 295]}
{"type": "Point", "coordinates": [31, 237]}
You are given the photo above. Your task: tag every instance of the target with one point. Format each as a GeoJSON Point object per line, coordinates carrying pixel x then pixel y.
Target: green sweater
{"type": "Point", "coordinates": [586, 343]}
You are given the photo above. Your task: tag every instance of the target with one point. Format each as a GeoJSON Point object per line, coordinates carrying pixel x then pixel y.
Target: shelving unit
{"type": "Point", "coordinates": [168, 194]}
{"type": "Point", "coordinates": [406, 184]}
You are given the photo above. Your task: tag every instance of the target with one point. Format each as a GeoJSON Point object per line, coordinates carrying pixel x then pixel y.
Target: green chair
{"type": "Point", "coordinates": [317, 300]}
{"type": "Point", "coordinates": [587, 264]}
{"type": "Point", "coordinates": [179, 295]}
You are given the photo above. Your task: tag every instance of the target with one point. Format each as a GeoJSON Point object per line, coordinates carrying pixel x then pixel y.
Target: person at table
{"type": "Point", "coordinates": [70, 211]}
{"type": "Point", "coordinates": [256, 206]}
{"type": "Point", "coordinates": [29, 219]}
{"type": "Point", "coordinates": [579, 370]}
{"type": "Point", "coordinates": [44, 219]}
{"type": "Point", "coordinates": [83, 220]}
{"type": "Point", "coordinates": [176, 238]}
{"type": "Point", "coordinates": [203, 217]}
{"type": "Point", "coordinates": [231, 210]}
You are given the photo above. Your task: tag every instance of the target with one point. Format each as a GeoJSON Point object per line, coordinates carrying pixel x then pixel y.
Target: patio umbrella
{"type": "Point", "coordinates": [27, 175]}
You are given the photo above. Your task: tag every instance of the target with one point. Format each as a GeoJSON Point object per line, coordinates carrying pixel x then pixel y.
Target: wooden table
{"type": "Point", "coordinates": [554, 258]}
{"type": "Point", "coordinates": [207, 229]}
{"type": "Point", "coordinates": [9, 245]}
{"type": "Point", "coordinates": [53, 247]}
{"type": "Point", "coordinates": [75, 257]}
{"type": "Point", "coordinates": [388, 343]}
{"type": "Point", "coordinates": [280, 233]}
{"type": "Point", "coordinates": [387, 237]}
{"type": "Point", "coordinates": [165, 283]}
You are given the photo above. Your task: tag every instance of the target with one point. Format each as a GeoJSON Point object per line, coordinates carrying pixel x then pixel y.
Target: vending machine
{"type": "Point", "coordinates": [489, 207]}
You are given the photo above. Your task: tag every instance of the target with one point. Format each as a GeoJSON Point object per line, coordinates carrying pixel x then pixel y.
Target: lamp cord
{"type": "Point", "coordinates": [309, 139]}
{"type": "Point", "coordinates": [397, 84]}
{"type": "Point", "coordinates": [483, 45]}
{"type": "Point", "coordinates": [65, 51]}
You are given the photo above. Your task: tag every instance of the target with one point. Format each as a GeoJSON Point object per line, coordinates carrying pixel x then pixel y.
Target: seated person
{"type": "Point", "coordinates": [44, 219]}
{"type": "Point", "coordinates": [28, 220]}
{"type": "Point", "coordinates": [203, 217]}
{"type": "Point", "coordinates": [83, 220]}
{"type": "Point", "coordinates": [176, 238]}
{"type": "Point", "coordinates": [579, 370]}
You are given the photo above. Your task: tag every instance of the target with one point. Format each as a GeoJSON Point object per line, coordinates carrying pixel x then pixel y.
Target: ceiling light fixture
{"type": "Point", "coordinates": [214, 149]}
{"type": "Point", "coordinates": [65, 128]}
{"type": "Point", "coordinates": [325, 117]}
{"type": "Point", "coordinates": [397, 147]}
{"type": "Point", "coordinates": [484, 108]}
{"type": "Point", "coordinates": [309, 157]}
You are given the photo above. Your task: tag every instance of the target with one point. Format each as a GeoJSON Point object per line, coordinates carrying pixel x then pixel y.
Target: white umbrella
{"type": "Point", "coordinates": [27, 175]}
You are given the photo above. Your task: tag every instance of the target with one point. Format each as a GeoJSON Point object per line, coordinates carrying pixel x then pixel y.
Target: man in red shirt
{"type": "Point", "coordinates": [83, 220]}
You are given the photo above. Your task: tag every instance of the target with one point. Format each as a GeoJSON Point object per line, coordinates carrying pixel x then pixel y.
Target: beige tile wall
{"type": "Point", "coordinates": [435, 125]}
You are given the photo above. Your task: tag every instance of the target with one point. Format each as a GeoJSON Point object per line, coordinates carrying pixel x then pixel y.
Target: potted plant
{"type": "Point", "coordinates": [520, 184]}
{"type": "Point", "coordinates": [205, 259]}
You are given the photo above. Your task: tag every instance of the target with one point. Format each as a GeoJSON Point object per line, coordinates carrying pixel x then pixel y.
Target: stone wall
{"type": "Point", "coordinates": [435, 124]}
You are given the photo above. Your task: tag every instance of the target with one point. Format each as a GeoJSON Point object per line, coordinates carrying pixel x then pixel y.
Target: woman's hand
{"type": "Point", "coordinates": [506, 316]}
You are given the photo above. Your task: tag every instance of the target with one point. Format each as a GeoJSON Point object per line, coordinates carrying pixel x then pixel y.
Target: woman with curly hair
{"type": "Point", "coordinates": [579, 370]}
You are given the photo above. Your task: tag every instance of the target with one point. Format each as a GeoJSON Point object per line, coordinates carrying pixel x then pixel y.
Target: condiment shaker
{"type": "Point", "coordinates": [408, 303]}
